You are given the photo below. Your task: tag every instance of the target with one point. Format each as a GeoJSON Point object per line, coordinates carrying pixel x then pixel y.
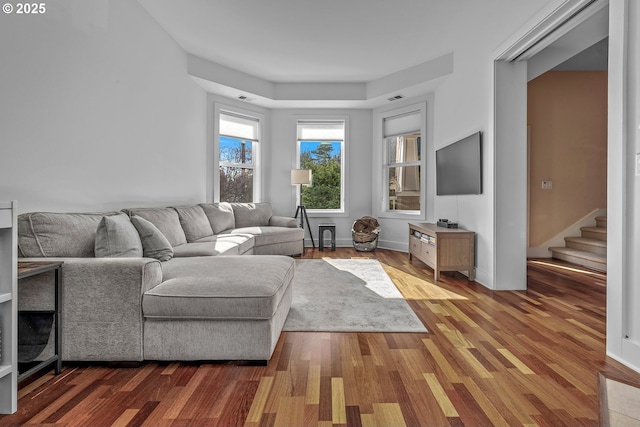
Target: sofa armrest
{"type": "Point", "coordinates": [283, 221]}
{"type": "Point", "coordinates": [101, 305]}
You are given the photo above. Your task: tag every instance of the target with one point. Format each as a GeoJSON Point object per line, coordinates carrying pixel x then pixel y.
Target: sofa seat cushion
{"type": "Point", "coordinates": [245, 242]}
{"type": "Point", "coordinates": [268, 235]}
{"type": "Point", "coordinates": [229, 244]}
{"type": "Point", "coordinates": [236, 287]}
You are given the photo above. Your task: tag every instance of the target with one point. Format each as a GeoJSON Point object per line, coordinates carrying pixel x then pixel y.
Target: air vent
{"type": "Point", "coordinates": [395, 98]}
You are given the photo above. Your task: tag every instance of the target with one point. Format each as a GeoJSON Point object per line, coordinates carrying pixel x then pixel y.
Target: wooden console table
{"type": "Point", "coordinates": [443, 249]}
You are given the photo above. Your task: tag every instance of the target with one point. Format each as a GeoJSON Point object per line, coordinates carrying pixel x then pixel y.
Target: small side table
{"type": "Point", "coordinates": [32, 268]}
{"type": "Point", "coordinates": [327, 227]}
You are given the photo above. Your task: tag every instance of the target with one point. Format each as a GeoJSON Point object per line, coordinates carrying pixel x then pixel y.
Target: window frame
{"type": "Point", "coordinates": [381, 163]}
{"type": "Point", "coordinates": [388, 165]}
{"type": "Point", "coordinates": [256, 149]}
{"type": "Point", "coordinates": [343, 210]}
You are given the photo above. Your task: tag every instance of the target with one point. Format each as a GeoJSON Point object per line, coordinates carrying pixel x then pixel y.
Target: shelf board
{"type": "Point", "coordinates": [5, 370]}
{"type": "Point", "coordinates": [4, 297]}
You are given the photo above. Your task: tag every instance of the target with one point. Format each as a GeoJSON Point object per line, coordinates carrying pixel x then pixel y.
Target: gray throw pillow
{"type": "Point", "coordinates": [116, 237]}
{"type": "Point", "coordinates": [166, 220]}
{"type": "Point", "coordinates": [194, 222]}
{"type": "Point", "coordinates": [154, 244]}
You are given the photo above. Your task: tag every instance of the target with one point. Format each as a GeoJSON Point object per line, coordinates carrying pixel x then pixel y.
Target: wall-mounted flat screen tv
{"type": "Point", "coordinates": [459, 167]}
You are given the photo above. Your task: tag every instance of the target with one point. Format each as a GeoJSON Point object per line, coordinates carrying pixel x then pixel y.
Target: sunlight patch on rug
{"type": "Point", "coordinates": [371, 272]}
{"type": "Point", "coordinates": [350, 295]}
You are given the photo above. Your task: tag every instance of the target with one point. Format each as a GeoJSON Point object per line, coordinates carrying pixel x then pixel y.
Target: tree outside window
{"type": "Point", "coordinates": [321, 149]}
{"type": "Point", "coordinates": [325, 161]}
{"type": "Point", "coordinates": [237, 144]}
{"type": "Point", "coordinates": [236, 170]}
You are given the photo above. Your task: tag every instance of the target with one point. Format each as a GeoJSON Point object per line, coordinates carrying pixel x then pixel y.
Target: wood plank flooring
{"type": "Point", "coordinates": [490, 358]}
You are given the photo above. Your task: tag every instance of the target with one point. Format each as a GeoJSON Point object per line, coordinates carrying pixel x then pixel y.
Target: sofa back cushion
{"type": "Point", "coordinates": [116, 237]}
{"type": "Point", "coordinates": [251, 214]}
{"type": "Point", "coordinates": [52, 234]}
{"type": "Point", "coordinates": [166, 220]}
{"type": "Point", "coordinates": [194, 222]}
{"type": "Point", "coordinates": [220, 216]}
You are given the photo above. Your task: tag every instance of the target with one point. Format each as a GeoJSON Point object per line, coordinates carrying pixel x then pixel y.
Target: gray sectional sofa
{"type": "Point", "coordinates": [174, 283]}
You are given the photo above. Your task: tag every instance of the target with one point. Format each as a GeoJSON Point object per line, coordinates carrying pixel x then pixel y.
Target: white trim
{"type": "Point", "coordinates": [623, 187]}
{"type": "Point", "coordinates": [344, 181]}
{"type": "Point", "coordinates": [214, 152]}
{"type": "Point", "coordinates": [380, 187]}
{"type": "Point", "coordinates": [551, 23]}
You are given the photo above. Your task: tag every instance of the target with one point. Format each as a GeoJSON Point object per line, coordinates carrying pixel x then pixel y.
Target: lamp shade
{"type": "Point", "coordinates": [301, 176]}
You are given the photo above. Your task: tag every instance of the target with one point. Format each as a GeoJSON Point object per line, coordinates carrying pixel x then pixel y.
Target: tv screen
{"type": "Point", "coordinates": [459, 167]}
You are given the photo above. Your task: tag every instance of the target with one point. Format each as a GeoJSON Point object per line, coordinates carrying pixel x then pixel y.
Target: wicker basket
{"type": "Point", "coordinates": [365, 234]}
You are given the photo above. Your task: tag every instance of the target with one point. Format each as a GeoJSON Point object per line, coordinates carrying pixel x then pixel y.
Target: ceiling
{"type": "Point", "coordinates": [329, 53]}
{"type": "Point", "coordinates": [302, 40]}
{"type": "Point", "coordinates": [594, 58]}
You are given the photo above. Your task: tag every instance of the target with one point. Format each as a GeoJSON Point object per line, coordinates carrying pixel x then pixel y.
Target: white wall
{"type": "Point", "coordinates": [282, 158]}
{"type": "Point", "coordinates": [97, 111]}
{"type": "Point", "coordinates": [623, 195]}
{"type": "Point", "coordinates": [462, 104]}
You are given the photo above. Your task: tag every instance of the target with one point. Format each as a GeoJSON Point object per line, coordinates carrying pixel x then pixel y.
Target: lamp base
{"type": "Point", "coordinates": [302, 210]}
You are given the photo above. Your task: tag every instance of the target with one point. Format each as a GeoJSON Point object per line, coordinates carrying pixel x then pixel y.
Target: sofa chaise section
{"type": "Point", "coordinates": [228, 308]}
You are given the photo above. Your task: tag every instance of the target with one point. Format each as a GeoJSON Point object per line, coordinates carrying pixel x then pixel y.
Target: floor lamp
{"type": "Point", "coordinates": [302, 177]}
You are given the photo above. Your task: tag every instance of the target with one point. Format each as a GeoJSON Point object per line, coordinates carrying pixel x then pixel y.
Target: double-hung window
{"type": "Point", "coordinates": [402, 141]}
{"type": "Point", "coordinates": [321, 148]}
{"type": "Point", "coordinates": [238, 144]}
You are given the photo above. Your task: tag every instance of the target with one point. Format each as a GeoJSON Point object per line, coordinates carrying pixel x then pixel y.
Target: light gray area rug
{"type": "Point", "coordinates": [347, 295]}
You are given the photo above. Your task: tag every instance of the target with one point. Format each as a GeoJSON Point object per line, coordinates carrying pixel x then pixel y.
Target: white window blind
{"type": "Point", "coordinates": [402, 124]}
{"type": "Point", "coordinates": [238, 126]}
{"type": "Point", "coordinates": [321, 130]}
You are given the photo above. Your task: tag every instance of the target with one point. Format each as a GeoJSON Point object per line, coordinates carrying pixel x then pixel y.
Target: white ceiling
{"type": "Point", "coordinates": [366, 50]}
{"type": "Point", "coordinates": [303, 40]}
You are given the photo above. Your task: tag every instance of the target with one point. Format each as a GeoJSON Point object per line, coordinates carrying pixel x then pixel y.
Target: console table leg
{"type": "Point", "coordinates": [58, 332]}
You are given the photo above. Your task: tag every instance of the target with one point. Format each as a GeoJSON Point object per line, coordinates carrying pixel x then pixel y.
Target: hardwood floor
{"type": "Point", "coordinates": [490, 358]}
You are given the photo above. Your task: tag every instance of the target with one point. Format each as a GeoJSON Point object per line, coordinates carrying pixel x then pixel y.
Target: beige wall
{"type": "Point", "coordinates": [567, 115]}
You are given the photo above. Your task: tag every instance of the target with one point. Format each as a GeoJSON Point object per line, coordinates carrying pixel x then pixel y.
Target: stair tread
{"type": "Point", "coordinates": [594, 229]}
{"type": "Point", "coordinates": [601, 218]}
{"type": "Point", "coordinates": [580, 254]}
{"type": "Point", "coordinates": [586, 241]}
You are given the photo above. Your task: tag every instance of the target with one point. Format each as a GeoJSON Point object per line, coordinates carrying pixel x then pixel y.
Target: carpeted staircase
{"type": "Point", "coordinates": [589, 250]}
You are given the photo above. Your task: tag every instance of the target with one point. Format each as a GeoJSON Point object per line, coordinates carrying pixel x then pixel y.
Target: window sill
{"type": "Point", "coordinates": [327, 214]}
{"type": "Point", "coordinates": [408, 215]}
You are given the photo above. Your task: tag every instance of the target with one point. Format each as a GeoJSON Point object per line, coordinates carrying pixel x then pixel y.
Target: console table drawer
{"type": "Point", "coordinates": [415, 245]}
{"type": "Point", "coordinates": [429, 253]}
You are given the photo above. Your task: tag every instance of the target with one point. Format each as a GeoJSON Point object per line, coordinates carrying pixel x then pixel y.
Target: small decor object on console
{"type": "Point", "coordinates": [447, 224]}
{"type": "Point", "coordinates": [365, 234]}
